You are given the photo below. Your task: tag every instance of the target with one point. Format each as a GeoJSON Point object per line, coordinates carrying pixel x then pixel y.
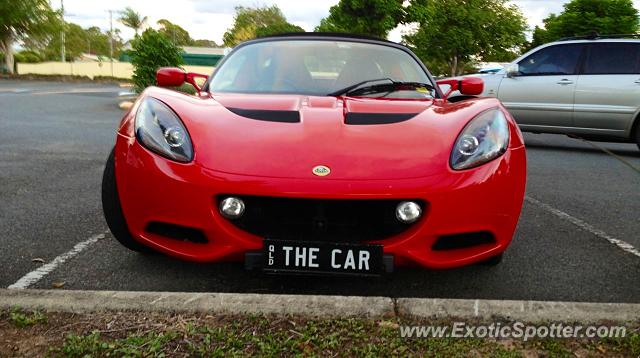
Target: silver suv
{"type": "Point", "coordinates": [584, 87]}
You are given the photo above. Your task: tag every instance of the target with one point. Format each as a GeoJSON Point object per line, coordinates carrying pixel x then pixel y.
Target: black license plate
{"type": "Point", "coordinates": [322, 258]}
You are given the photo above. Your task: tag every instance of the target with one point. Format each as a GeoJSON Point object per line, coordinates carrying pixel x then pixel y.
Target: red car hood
{"type": "Point", "coordinates": [416, 143]}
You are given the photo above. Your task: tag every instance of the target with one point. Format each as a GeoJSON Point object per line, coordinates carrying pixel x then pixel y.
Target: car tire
{"type": "Point", "coordinates": [113, 211]}
{"type": "Point", "coordinates": [493, 261]}
{"type": "Point", "coordinates": [637, 134]}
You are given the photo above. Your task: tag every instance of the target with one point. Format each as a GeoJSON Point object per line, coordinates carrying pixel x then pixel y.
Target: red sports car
{"type": "Point", "coordinates": [317, 153]}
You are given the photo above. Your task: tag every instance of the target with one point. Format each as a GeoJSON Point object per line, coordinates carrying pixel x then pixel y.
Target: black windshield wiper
{"type": "Point", "coordinates": [348, 89]}
{"type": "Point", "coordinates": [364, 88]}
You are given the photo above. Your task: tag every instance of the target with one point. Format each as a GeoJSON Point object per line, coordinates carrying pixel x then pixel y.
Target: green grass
{"type": "Point", "coordinates": [23, 319]}
{"type": "Point", "coordinates": [259, 336]}
{"type": "Point", "coordinates": [629, 344]}
{"type": "Point", "coordinates": [140, 334]}
{"type": "Point", "coordinates": [148, 345]}
{"type": "Point", "coordinates": [555, 348]}
{"type": "Point", "coordinates": [344, 337]}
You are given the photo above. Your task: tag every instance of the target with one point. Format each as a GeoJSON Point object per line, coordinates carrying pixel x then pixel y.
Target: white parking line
{"type": "Point", "coordinates": [625, 246]}
{"type": "Point", "coordinates": [37, 274]}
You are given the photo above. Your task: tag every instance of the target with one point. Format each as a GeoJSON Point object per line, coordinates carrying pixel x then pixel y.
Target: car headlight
{"type": "Point", "coordinates": [485, 138]}
{"type": "Point", "coordinates": [159, 129]}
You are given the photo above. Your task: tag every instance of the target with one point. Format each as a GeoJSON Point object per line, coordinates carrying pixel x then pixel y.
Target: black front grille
{"type": "Point", "coordinates": [348, 221]}
{"type": "Point", "coordinates": [463, 241]}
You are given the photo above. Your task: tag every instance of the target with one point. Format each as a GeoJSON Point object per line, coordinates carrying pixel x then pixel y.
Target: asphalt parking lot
{"type": "Point", "coordinates": [55, 138]}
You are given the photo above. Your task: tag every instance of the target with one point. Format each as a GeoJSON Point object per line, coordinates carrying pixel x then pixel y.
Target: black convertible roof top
{"type": "Point", "coordinates": [325, 34]}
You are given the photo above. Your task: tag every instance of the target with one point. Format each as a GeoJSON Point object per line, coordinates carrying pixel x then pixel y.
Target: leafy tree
{"type": "Point", "coordinates": [538, 37]}
{"type": "Point", "coordinates": [365, 17]}
{"type": "Point", "coordinates": [98, 42]}
{"type": "Point", "coordinates": [131, 18]}
{"type": "Point", "coordinates": [175, 33]}
{"type": "Point", "coordinates": [204, 43]}
{"type": "Point", "coordinates": [21, 19]}
{"type": "Point", "coordinates": [581, 17]}
{"type": "Point", "coordinates": [152, 50]}
{"type": "Point", "coordinates": [456, 33]}
{"type": "Point", "coordinates": [74, 45]}
{"type": "Point", "coordinates": [250, 22]}
{"type": "Point", "coordinates": [77, 41]}
{"type": "Point", "coordinates": [280, 28]}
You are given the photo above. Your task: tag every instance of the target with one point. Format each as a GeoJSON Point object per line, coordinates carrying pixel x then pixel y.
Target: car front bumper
{"type": "Point", "coordinates": [487, 199]}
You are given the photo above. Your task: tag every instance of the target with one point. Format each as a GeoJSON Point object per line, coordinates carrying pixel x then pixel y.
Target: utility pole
{"type": "Point", "coordinates": [62, 50]}
{"type": "Point", "coordinates": [111, 39]}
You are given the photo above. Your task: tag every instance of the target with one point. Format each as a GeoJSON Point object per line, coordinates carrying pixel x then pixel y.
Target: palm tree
{"type": "Point", "coordinates": [132, 19]}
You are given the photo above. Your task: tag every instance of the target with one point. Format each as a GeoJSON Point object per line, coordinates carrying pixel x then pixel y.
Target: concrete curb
{"type": "Point", "coordinates": [228, 303]}
{"type": "Point", "coordinates": [526, 311]}
{"type": "Point", "coordinates": [317, 305]}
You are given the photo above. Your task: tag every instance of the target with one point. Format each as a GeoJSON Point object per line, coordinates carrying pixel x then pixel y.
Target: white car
{"type": "Point", "coordinates": [584, 87]}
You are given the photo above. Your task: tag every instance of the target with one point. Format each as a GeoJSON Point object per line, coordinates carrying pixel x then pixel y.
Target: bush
{"type": "Point", "coordinates": [150, 51]}
{"type": "Point", "coordinates": [27, 57]}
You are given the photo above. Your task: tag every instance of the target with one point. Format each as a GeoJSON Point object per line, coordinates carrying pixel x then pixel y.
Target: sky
{"type": "Point", "coordinates": [209, 19]}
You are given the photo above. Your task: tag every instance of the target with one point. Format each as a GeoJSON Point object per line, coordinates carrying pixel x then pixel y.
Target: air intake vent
{"type": "Point", "coordinates": [377, 118]}
{"type": "Point", "coordinates": [177, 232]}
{"type": "Point", "coordinates": [463, 241]}
{"type": "Point", "coordinates": [268, 115]}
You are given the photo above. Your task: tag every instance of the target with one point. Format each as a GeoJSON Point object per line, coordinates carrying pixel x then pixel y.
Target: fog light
{"type": "Point", "coordinates": [408, 212]}
{"type": "Point", "coordinates": [232, 208]}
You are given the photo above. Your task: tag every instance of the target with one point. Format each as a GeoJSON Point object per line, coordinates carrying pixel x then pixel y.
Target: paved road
{"type": "Point", "coordinates": [54, 139]}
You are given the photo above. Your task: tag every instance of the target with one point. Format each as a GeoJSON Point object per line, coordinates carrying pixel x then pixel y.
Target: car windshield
{"type": "Point", "coordinates": [316, 67]}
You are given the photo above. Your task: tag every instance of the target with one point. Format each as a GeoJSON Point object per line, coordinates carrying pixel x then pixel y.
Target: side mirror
{"type": "Point", "coordinates": [175, 77]}
{"type": "Point", "coordinates": [170, 77]}
{"type": "Point", "coordinates": [471, 86]}
{"type": "Point", "coordinates": [513, 70]}
{"type": "Point", "coordinates": [468, 86]}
